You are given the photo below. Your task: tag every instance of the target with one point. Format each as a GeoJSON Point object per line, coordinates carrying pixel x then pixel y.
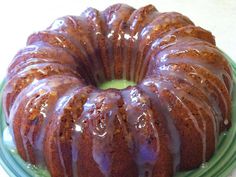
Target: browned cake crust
{"type": "Point", "coordinates": [169, 121]}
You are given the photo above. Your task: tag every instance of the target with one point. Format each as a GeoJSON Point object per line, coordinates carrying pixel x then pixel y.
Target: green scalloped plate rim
{"type": "Point", "coordinates": [220, 165]}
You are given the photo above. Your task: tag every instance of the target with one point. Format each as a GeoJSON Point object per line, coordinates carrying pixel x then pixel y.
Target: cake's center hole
{"type": "Point", "coordinates": [117, 84]}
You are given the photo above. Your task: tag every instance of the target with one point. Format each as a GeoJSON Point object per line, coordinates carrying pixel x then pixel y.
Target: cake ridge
{"type": "Point", "coordinates": [164, 108]}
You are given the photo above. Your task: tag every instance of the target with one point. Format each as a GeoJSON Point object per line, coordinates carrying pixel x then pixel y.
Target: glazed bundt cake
{"type": "Point", "coordinates": [169, 121]}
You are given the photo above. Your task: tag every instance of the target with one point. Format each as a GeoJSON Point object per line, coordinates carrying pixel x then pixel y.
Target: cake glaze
{"type": "Point", "coordinates": [169, 121]}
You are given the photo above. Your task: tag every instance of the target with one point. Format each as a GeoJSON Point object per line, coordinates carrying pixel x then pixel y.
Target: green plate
{"type": "Point", "coordinates": [220, 165]}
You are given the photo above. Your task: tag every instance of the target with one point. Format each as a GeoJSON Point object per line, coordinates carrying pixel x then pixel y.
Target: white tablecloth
{"type": "Point", "coordinates": [19, 18]}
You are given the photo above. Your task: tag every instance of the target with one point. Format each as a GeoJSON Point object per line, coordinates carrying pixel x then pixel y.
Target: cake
{"type": "Point", "coordinates": [169, 121]}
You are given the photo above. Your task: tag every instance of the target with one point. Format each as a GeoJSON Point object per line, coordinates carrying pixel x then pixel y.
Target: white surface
{"type": "Point", "coordinates": [18, 19]}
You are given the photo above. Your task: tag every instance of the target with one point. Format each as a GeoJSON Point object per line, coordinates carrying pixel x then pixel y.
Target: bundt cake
{"type": "Point", "coordinates": [169, 121]}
